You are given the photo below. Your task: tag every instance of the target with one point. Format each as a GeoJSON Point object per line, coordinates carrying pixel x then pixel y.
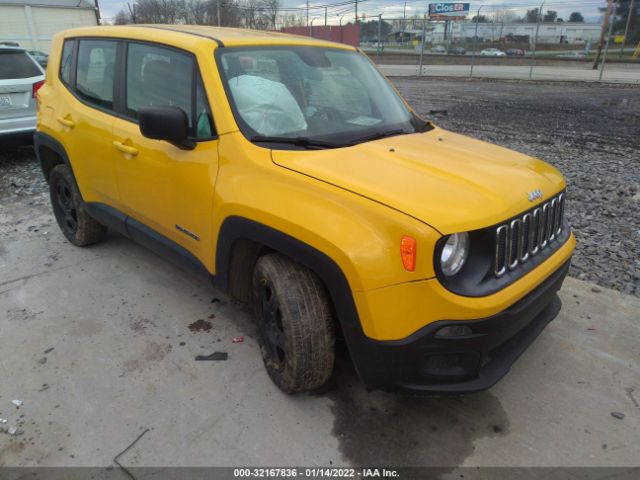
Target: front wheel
{"type": "Point", "coordinates": [295, 324]}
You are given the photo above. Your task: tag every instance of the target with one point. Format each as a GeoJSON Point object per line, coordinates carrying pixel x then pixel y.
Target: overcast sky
{"type": "Point", "coordinates": [392, 8]}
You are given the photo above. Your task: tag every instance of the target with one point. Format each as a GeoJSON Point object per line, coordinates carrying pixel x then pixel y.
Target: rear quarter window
{"type": "Point", "coordinates": [15, 65]}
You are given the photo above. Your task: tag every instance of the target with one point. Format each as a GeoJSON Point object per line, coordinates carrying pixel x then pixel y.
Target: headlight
{"type": "Point", "coordinates": [454, 253]}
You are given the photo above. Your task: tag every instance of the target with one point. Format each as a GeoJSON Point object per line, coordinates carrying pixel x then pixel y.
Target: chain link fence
{"type": "Point", "coordinates": [498, 48]}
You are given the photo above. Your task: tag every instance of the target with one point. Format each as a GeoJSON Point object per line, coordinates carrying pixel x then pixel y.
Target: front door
{"type": "Point", "coordinates": [162, 186]}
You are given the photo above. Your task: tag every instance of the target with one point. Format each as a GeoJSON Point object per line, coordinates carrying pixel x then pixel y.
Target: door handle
{"type": "Point", "coordinates": [126, 148]}
{"type": "Point", "coordinates": [66, 121]}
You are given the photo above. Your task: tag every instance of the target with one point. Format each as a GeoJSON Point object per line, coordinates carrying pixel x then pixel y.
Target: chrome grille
{"type": "Point", "coordinates": [525, 236]}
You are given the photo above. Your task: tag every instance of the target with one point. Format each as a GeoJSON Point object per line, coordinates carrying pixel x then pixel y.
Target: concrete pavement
{"type": "Point", "coordinates": [629, 74]}
{"type": "Point", "coordinates": [96, 343]}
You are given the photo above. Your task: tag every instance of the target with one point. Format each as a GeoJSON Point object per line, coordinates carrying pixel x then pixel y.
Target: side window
{"type": "Point", "coordinates": [158, 76]}
{"type": "Point", "coordinates": [65, 62]}
{"type": "Point", "coordinates": [95, 71]}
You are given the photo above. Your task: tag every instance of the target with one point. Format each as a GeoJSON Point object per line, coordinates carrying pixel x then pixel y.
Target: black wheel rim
{"type": "Point", "coordinates": [271, 326]}
{"type": "Point", "coordinates": [65, 208]}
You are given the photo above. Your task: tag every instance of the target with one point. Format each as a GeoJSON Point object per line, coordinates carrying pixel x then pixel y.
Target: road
{"type": "Point", "coordinates": [629, 74]}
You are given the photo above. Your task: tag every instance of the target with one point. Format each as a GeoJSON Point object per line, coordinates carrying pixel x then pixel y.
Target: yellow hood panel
{"type": "Point", "coordinates": [452, 182]}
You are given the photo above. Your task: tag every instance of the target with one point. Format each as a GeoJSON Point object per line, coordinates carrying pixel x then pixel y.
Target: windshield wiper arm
{"type": "Point", "coordinates": [378, 136]}
{"type": "Point", "coordinates": [298, 141]}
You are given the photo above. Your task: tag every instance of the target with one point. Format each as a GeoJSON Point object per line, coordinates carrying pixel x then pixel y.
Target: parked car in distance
{"type": "Point", "coordinates": [9, 44]}
{"type": "Point", "coordinates": [492, 52]}
{"type": "Point", "coordinates": [41, 57]}
{"type": "Point", "coordinates": [457, 51]}
{"type": "Point", "coordinates": [290, 173]}
{"type": "Point", "coordinates": [574, 55]}
{"type": "Point", "coordinates": [515, 52]}
{"type": "Point", "coordinates": [438, 49]}
{"type": "Point", "coordinates": [20, 78]}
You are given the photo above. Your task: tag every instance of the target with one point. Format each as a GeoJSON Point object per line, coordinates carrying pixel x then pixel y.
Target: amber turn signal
{"type": "Point", "coordinates": [408, 253]}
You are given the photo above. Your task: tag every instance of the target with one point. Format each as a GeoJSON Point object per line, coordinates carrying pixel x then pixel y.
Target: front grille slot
{"type": "Point", "coordinates": [524, 236]}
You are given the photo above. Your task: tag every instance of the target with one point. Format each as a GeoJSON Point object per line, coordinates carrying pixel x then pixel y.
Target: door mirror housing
{"type": "Point", "coordinates": [169, 123]}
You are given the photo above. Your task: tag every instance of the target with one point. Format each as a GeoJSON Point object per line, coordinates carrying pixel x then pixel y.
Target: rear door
{"type": "Point", "coordinates": [84, 112]}
{"type": "Point", "coordinates": [166, 188]}
{"type": "Point", "coordinates": [20, 77]}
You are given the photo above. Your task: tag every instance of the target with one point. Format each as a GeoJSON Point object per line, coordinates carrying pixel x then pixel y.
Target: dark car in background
{"type": "Point", "coordinates": [515, 52]}
{"type": "Point", "coordinates": [457, 51]}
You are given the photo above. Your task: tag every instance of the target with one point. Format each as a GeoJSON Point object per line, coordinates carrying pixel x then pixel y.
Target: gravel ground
{"type": "Point", "coordinates": [590, 132]}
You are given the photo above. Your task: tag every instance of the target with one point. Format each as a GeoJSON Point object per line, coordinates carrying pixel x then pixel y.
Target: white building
{"type": "Point", "coordinates": [33, 23]}
{"type": "Point", "coordinates": [568, 32]}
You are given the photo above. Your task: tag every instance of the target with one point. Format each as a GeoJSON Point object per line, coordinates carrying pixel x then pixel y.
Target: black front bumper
{"type": "Point", "coordinates": [426, 363]}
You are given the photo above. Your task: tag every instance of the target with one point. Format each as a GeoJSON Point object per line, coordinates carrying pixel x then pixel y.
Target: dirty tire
{"type": "Point", "coordinates": [295, 324]}
{"type": "Point", "coordinates": [69, 209]}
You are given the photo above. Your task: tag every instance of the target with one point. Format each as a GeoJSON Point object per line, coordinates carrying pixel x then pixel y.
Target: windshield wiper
{"type": "Point", "coordinates": [378, 136]}
{"type": "Point", "coordinates": [297, 141]}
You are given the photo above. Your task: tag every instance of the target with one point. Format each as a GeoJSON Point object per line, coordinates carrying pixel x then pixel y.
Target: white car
{"type": "Point", "coordinates": [574, 55]}
{"type": "Point", "coordinates": [20, 78]}
{"type": "Point", "coordinates": [492, 52]}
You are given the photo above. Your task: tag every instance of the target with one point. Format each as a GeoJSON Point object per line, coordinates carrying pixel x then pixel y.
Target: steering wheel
{"type": "Point", "coordinates": [329, 114]}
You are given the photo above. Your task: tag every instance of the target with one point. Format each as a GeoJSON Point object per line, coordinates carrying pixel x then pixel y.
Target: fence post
{"type": "Point", "coordinates": [606, 45]}
{"type": "Point", "coordinates": [424, 34]}
{"type": "Point", "coordinates": [475, 41]}
{"type": "Point", "coordinates": [535, 40]}
{"type": "Point", "coordinates": [626, 28]}
{"type": "Point", "coordinates": [379, 38]}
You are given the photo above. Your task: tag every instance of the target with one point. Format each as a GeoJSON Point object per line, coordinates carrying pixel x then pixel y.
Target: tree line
{"type": "Point", "coordinates": [532, 16]}
{"type": "Point", "coordinates": [260, 14]}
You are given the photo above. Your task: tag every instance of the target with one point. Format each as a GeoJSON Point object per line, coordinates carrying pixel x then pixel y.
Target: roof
{"type": "Point", "coordinates": [52, 3]}
{"type": "Point", "coordinates": [223, 36]}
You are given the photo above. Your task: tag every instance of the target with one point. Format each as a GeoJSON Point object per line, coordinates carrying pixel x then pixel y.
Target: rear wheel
{"type": "Point", "coordinates": [69, 210]}
{"type": "Point", "coordinates": [295, 324]}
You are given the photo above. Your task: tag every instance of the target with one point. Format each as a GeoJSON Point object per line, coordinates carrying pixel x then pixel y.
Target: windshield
{"type": "Point", "coordinates": [311, 97]}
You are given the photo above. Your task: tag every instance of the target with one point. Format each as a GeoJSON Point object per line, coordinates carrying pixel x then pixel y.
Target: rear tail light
{"type": "Point", "coordinates": [408, 253]}
{"type": "Point", "coordinates": [36, 86]}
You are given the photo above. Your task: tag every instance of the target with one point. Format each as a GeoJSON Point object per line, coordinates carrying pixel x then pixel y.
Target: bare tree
{"type": "Point", "coordinates": [292, 20]}
{"type": "Point", "coordinates": [271, 9]}
{"type": "Point", "coordinates": [122, 18]}
{"type": "Point", "coordinates": [196, 12]}
{"type": "Point", "coordinates": [504, 16]}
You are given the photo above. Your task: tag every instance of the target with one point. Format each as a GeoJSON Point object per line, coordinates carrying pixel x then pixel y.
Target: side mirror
{"type": "Point", "coordinates": [168, 123]}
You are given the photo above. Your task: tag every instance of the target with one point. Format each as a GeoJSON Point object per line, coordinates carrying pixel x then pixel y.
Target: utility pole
{"type": "Point", "coordinates": [379, 38]}
{"type": "Point", "coordinates": [325, 16]}
{"type": "Point", "coordinates": [356, 12]}
{"type": "Point", "coordinates": [626, 29]}
{"type": "Point", "coordinates": [218, 10]}
{"type": "Point", "coordinates": [307, 13]}
{"type": "Point", "coordinates": [535, 40]}
{"type": "Point", "coordinates": [475, 41]}
{"type": "Point", "coordinates": [404, 21]}
{"type": "Point", "coordinates": [605, 28]}
{"type": "Point", "coordinates": [606, 48]}
{"type": "Point", "coordinates": [424, 37]}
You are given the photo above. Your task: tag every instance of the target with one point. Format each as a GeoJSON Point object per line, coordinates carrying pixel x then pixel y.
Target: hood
{"type": "Point", "coordinates": [452, 182]}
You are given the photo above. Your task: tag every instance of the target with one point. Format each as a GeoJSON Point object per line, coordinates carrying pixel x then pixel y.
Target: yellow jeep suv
{"type": "Point", "coordinates": [291, 173]}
